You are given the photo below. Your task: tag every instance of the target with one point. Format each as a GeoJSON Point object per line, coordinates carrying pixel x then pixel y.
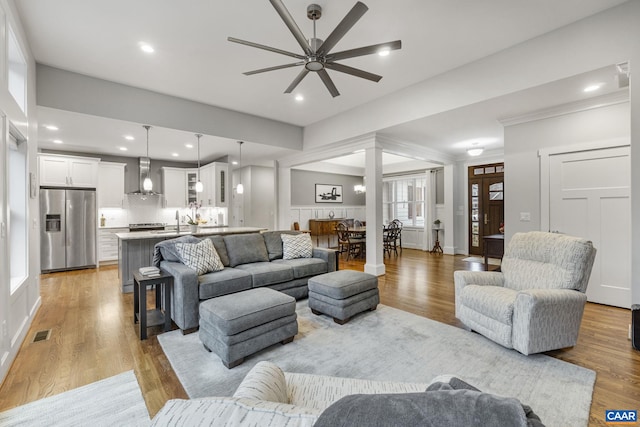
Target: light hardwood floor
{"type": "Point", "coordinates": [93, 336]}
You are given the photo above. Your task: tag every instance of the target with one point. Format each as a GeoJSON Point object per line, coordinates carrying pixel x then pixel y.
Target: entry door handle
{"type": "Point", "coordinates": [485, 219]}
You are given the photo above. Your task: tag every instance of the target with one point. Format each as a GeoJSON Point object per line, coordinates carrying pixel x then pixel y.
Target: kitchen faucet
{"type": "Point", "coordinates": [178, 220]}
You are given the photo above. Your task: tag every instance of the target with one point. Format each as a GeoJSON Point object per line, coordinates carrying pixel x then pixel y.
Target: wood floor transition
{"type": "Point", "coordinates": [93, 336]}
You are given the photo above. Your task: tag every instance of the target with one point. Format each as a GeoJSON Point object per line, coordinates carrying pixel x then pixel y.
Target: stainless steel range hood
{"type": "Point", "coordinates": [144, 166]}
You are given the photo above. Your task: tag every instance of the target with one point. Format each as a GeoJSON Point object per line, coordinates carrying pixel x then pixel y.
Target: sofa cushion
{"type": "Point", "coordinates": [233, 411]}
{"type": "Point", "coordinates": [494, 302]}
{"type": "Point", "coordinates": [298, 246]}
{"type": "Point", "coordinates": [201, 256]}
{"type": "Point", "coordinates": [223, 282]}
{"type": "Point", "coordinates": [304, 267]}
{"type": "Point", "coordinates": [267, 273]}
{"type": "Point", "coordinates": [218, 243]}
{"type": "Point", "coordinates": [245, 248]}
{"type": "Point", "coordinates": [274, 242]}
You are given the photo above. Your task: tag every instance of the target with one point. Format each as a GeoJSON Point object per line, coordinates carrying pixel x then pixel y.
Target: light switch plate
{"type": "Point", "coordinates": [525, 216]}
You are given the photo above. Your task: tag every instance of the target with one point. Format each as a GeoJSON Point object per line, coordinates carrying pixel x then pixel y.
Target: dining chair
{"type": "Point", "coordinates": [390, 237]}
{"type": "Point", "coordinates": [352, 246]}
{"type": "Point", "coordinates": [399, 239]}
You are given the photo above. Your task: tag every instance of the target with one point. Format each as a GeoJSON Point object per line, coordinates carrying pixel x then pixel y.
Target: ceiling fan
{"type": "Point", "coordinates": [317, 56]}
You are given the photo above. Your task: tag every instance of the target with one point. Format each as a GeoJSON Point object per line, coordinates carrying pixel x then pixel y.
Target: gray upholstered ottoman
{"type": "Point", "coordinates": [236, 325]}
{"type": "Point", "coordinates": [343, 294]}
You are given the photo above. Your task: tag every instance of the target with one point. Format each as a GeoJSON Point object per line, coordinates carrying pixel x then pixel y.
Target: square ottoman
{"type": "Point", "coordinates": [343, 294]}
{"type": "Point", "coordinates": [236, 325]}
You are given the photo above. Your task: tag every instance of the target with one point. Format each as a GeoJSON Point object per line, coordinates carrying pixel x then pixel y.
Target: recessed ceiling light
{"type": "Point", "coordinates": [146, 47]}
{"type": "Point", "coordinates": [57, 141]}
{"type": "Point", "coordinates": [234, 162]}
{"type": "Point", "coordinates": [384, 51]}
{"type": "Point", "coordinates": [299, 98]}
{"type": "Point", "coordinates": [129, 138]}
{"type": "Point", "coordinates": [175, 154]}
{"type": "Point", "coordinates": [51, 127]}
{"type": "Point", "coordinates": [592, 88]}
{"type": "Point", "coordinates": [123, 148]}
{"type": "Point", "coordinates": [188, 145]}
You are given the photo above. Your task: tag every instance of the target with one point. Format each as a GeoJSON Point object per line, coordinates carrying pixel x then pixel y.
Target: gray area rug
{"type": "Point", "coordinates": [389, 344]}
{"type": "Point", "coordinates": [115, 401]}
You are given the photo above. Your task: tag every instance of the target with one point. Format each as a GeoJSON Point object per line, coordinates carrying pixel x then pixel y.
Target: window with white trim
{"type": "Point", "coordinates": [18, 196]}
{"type": "Point", "coordinates": [403, 198]}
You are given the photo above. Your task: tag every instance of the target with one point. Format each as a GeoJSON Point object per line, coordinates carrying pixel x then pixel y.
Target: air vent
{"type": "Point", "coordinates": [42, 335]}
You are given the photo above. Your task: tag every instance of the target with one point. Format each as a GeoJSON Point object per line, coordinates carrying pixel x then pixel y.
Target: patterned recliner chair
{"type": "Point", "coordinates": [536, 302]}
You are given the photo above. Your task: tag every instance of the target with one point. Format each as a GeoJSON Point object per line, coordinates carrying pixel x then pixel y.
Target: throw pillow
{"type": "Point", "coordinates": [296, 246]}
{"type": "Point", "coordinates": [201, 256]}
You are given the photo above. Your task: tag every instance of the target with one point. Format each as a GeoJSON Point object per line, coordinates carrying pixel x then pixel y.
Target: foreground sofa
{"type": "Point", "coordinates": [249, 260]}
{"type": "Point", "coordinates": [270, 397]}
{"type": "Point", "coordinates": [536, 302]}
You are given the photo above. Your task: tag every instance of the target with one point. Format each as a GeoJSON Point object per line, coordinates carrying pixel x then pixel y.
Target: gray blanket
{"type": "Point", "coordinates": [441, 405]}
{"type": "Point", "coordinates": [166, 250]}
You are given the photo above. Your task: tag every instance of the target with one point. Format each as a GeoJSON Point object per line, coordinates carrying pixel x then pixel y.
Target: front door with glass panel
{"type": "Point", "coordinates": [486, 203]}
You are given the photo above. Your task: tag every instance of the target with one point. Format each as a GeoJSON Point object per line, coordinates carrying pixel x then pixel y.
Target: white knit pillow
{"type": "Point", "coordinates": [201, 256]}
{"type": "Point", "coordinates": [296, 246]}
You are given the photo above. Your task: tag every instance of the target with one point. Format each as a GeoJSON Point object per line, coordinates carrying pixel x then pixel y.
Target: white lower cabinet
{"type": "Point", "coordinates": [108, 243]}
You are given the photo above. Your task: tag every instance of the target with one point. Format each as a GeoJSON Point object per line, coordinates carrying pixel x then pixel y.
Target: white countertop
{"type": "Point", "coordinates": [203, 231]}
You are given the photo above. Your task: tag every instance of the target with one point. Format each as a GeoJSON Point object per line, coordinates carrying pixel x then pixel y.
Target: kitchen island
{"type": "Point", "coordinates": [135, 249]}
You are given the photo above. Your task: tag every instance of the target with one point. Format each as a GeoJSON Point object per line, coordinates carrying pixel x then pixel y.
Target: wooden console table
{"type": "Point", "coordinates": [325, 227]}
{"type": "Point", "coordinates": [493, 248]}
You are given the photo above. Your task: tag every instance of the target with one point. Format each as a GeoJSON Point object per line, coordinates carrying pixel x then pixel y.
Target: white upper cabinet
{"type": "Point", "coordinates": [214, 179]}
{"type": "Point", "coordinates": [174, 184]}
{"type": "Point", "coordinates": [206, 197]}
{"type": "Point", "coordinates": [110, 185]}
{"type": "Point", "coordinates": [68, 171]}
{"type": "Point", "coordinates": [221, 185]}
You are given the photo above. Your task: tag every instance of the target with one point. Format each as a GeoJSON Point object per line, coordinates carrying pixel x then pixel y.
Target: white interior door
{"type": "Point", "coordinates": [589, 195]}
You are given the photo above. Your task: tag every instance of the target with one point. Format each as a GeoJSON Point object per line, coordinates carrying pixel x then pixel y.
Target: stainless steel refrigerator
{"type": "Point", "coordinates": [68, 233]}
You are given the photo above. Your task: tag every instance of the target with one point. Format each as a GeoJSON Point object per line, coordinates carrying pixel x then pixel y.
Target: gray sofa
{"type": "Point", "coordinates": [250, 261]}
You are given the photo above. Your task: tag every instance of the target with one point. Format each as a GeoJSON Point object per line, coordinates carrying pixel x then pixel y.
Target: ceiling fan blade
{"type": "Point", "coordinates": [353, 71]}
{"type": "Point", "coordinates": [297, 80]}
{"type": "Point", "coordinates": [367, 50]}
{"type": "Point", "coordinates": [291, 24]}
{"type": "Point", "coordinates": [345, 25]}
{"type": "Point", "coordinates": [277, 67]}
{"type": "Point", "coordinates": [261, 46]}
{"type": "Point", "coordinates": [324, 76]}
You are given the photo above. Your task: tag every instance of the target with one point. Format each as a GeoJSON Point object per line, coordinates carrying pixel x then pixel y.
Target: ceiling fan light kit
{"type": "Point", "coordinates": [317, 56]}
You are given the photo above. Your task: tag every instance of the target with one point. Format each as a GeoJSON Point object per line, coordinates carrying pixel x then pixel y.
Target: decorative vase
{"type": "Point", "coordinates": [193, 228]}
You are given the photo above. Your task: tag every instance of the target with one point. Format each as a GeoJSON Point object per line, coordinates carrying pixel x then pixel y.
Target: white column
{"type": "Point", "coordinates": [373, 173]}
{"type": "Point", "coordinates": [449, 226]}
{"type": "Point", "coordinates": [283, 196]}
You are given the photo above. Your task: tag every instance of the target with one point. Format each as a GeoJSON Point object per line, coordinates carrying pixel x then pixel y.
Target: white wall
{"type": "Point", "coordinates": [522, 165]}
{"type": "Point", "coordinates": [17, 308]}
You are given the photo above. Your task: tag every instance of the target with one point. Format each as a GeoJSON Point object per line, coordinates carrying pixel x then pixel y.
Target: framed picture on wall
{"type": "Point", "coordinates": [328, 193]}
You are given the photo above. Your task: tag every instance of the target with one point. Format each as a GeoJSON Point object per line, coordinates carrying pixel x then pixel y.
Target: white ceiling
{"type": "Point", "coordinates": [193, 60]}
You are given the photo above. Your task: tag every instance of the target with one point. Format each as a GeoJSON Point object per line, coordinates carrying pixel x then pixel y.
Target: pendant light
{"type": "Point", "coordinates": [240, 187]}
{"type": "Point", "coordinates": [199, 186]}
{"type": "Point", "coordinates": [147, 185]}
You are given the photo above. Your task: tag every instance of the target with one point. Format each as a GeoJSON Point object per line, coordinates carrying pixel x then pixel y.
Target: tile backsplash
{"type": "Point", "coordinates": [146, 209]}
